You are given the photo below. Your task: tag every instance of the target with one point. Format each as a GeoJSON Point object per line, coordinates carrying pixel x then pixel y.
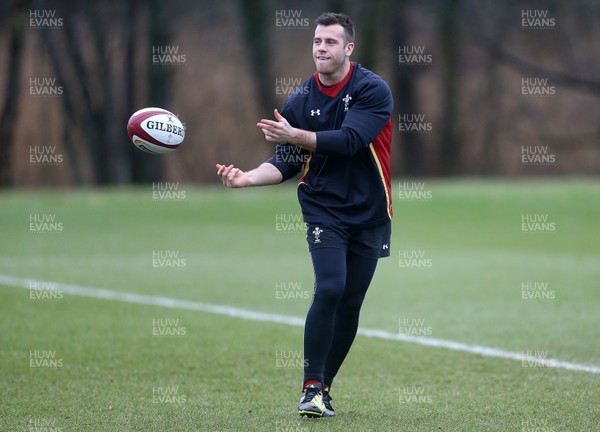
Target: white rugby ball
{"type": "Point", "coordinates": [155, 130]}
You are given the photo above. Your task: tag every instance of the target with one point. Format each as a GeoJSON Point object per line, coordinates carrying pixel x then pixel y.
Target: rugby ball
{"type": "Point", "coordinates": [155, 130]}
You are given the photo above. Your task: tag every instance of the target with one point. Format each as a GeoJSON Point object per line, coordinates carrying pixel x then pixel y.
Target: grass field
{"type": "Point", "coordinates": [464, 268]}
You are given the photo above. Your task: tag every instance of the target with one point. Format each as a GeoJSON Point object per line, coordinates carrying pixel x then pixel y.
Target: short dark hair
{"type": "Point", "coordinates": [331, 18]}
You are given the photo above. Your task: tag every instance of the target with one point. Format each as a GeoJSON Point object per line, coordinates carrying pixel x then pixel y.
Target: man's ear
{"type": "Point", "coordinates": [349, 48]}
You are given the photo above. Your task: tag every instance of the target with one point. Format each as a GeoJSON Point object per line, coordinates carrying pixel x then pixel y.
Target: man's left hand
{"type": "Point", "coordinates": [277, 131]}
{"type": "Point", "coordinates": [280, 131]}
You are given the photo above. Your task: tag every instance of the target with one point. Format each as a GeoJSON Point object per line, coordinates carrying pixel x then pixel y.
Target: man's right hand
{"type": "Point", "coordinates": [232, 177]}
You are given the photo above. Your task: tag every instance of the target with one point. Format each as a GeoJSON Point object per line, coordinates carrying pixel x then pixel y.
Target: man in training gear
{"type": "Point", "coordinates": [336, 129]}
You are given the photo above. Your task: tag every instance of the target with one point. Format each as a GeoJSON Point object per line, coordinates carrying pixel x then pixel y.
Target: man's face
{"type": "Point", "coordinates": [330, 50]}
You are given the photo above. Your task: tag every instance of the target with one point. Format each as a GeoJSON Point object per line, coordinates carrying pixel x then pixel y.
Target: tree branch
{"type": "Point", "coordinates": [559, 78]}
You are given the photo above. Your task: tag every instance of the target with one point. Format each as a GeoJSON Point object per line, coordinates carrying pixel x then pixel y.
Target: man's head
{"type": "Point", "coordinates": [331, 18]}
{"type": "Point", "coordinates": [332, 46]}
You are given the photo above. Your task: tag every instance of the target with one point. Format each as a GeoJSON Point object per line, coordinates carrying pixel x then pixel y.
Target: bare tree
{"type": "Point", "coordinates": [145, 167]}
{"type": "Point", "coordinates": [450, 147]}
{"type": "Point", "coordinates": [81, 57]}
{"type": "Point", "coordinates": [406, 98]}
{"type": "Point", "coordinates": [374, 15]}
{"type": "Point", "coordinates": [16, 14]}
{"type": "Point", "coordinates": [494, 20]}
{"type": "Point", "coordinates": [87, 82]}
{"type": "Point", "coordinates": [563, 78]}
{"type": "Point", "coordinates": [256, 33]}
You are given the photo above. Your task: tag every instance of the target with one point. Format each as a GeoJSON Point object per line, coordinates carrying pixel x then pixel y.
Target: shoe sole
{"type": "Point", "coordinates": [310, 414]}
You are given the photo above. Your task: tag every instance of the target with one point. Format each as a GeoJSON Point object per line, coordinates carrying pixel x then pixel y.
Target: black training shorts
{"type": "Point", "coordinates": [371, 242]}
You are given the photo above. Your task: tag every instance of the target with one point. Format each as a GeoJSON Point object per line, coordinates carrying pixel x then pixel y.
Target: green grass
{"type": "Point", "coordinates": [224, 369]}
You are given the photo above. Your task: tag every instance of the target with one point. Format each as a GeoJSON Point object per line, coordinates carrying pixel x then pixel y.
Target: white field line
{"type": "Point", "coordinates": [235, 312]}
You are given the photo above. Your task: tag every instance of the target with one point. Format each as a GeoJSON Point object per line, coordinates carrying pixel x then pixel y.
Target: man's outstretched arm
{"type": "Point", "coordinates": [264, 175]}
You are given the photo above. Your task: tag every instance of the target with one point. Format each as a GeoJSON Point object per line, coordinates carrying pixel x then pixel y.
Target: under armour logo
{"type": "Point", "coordinates": [386, 246]}
{"type": "Point", "coordinates": [313, 112]}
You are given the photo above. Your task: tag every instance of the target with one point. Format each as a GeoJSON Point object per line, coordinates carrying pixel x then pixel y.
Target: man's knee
{"type": "Point", "coordinates": [330, 288]}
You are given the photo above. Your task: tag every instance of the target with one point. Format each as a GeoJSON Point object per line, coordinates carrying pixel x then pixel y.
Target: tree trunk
{"type": "Point", "coordinates": [405, 101]}
{"type": "Point", "coordinates": [254, 15]}
{"type": "Point", "coordinates": [368, 49]}
{"type": "Point", "coordinates": [491, 112]}
{"type": "Point", "coordinates": [450, 148]}
{"type": "Point", "coordinates": [144, 168]}
{"type": "Point", "coordinates": [10, 108]}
